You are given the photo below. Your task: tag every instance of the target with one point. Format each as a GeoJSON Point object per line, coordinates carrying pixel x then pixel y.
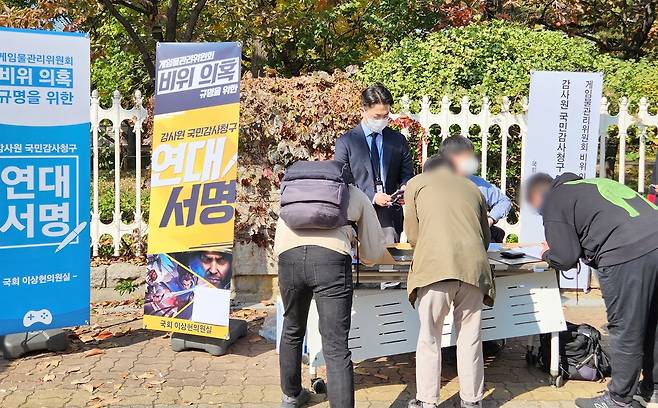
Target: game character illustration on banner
{"type": "Point", "coordinates": [214, 266]}
{"type": "Point", "coordinates": [173, 281]}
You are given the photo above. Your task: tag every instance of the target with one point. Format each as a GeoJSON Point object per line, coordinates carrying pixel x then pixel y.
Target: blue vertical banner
{"type": "Point", "coordinates": [44, 180]}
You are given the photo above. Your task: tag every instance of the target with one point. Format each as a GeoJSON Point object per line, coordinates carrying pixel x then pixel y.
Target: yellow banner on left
{"type": "Point", "coordinates": [193, 179]}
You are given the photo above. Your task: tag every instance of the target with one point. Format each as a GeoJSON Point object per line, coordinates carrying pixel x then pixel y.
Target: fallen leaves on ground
{"type": "Point", "coordinates": [154, 383]}
{"type": "Point", "coordinates": [93, 352]}
{"type": "Point", "coordinates": [122, 331]}
{"type": "Point", "coordinates": [132, 259]}
{"type": "Point", "coordinates": [81, 381]}
{"type": "Point", "coordinates": [48, 377]}
{"type": "Point", "coordinates": [91, 387]}
{"type": "Point", "coordinates": [86, 338]}
{"type": "Point", "coordinates": [47, 364]}
{"type": "Point", "coordinates": [249, 315]}
{"type": "Point", "coordinates": [146, 375]}
{"type": "Point", "coordinates": [100, 401]}
{"type": "Point", "coordinates": [72, 370]}
{"type": "Point", "coordinates": [103, 335]}
{"type": "Point", "coordinates": [96, 333]}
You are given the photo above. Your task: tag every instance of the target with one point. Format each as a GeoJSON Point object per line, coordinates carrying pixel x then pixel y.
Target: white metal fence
{"type": "Point", "coordinates": [444, 118]}
{"type": "Point", "coordinates": [506, 119]}
{"type": "Point", "coordinates": [116, 115]}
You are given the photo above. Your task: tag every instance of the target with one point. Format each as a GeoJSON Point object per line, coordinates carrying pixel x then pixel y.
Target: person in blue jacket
{"type": "Point", "coordinates": [459, 150]}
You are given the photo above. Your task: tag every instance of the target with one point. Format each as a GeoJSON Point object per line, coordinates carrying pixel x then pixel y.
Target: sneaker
{"type": "Point", "coordinates": [646, 395]}
{"type": "Point", "coordinates": [652, 401]}
{"type": "Point", "coordinates": [296, 402]}
{"type": "Point", "coordinates": [602, 401]}
{"type": "Point", "coordinates": [414, 403]}
{"type": "Point", "coordinates": [643, 395]}
{"type": "Point", "coordinates": [465, 404]}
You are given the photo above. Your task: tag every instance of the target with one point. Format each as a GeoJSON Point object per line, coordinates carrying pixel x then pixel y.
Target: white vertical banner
{"type": "Point", "coordinates": [563, 136]}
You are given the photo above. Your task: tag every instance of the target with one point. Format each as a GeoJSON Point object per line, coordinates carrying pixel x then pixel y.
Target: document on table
{"type": "Point", "coordinates": [533, 250]}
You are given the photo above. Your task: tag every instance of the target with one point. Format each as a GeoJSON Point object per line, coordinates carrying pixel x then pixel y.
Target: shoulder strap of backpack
{"type": "Point", "coordinates": [358, 258]}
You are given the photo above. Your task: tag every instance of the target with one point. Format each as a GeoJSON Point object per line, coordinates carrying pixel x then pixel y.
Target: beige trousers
{"type": "Point", "coordinates": [434, 303]}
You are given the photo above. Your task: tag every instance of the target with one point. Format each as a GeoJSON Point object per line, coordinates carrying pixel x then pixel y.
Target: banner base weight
{"type": "Point", "coordinates": [216, 347]}
{"type": "Point", "coordinates": [15, 345]}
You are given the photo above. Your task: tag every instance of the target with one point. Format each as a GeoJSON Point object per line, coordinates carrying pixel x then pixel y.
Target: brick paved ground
{"type": "Point", "coordinates": [140, 369]}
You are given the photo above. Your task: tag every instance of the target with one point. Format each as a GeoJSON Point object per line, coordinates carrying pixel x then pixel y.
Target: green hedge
{"type": "Point", "coordinates": [495, 59]}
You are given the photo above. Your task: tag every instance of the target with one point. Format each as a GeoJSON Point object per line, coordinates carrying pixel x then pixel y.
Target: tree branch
{"type": "Point", "coordinates": [172, 21]}
{"type": "Point", "coordinates": [131, 6]}
{"type": "Point", "coordinates": [194, 19]}
{"type": "Point", "coordinates": [141, 46]}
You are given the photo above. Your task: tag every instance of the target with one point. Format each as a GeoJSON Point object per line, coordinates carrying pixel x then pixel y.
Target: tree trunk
{"type": "Point", "coordinates": [258, 58]}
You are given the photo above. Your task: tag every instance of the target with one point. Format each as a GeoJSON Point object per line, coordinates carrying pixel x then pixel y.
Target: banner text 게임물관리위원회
{"type": "Point", "coordinates": [44, 180]}
{"type": "Point", "coordinates": [193, 188]}
{"type": "Point", "coordinates": [563, 136]}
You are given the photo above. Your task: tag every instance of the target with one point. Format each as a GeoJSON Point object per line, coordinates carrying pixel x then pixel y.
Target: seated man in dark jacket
{"type": "Point", "coordinates": [612, 228]}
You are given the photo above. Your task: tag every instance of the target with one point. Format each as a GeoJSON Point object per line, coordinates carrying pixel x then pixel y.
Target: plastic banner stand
{"type": "Point", "coordinates": [15, 345]}
{"type": "Point", "coordinates": [213, 346]}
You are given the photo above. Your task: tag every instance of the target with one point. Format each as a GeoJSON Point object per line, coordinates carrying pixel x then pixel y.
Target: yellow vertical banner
{"type": "Point", "coordinates": [193, 188]}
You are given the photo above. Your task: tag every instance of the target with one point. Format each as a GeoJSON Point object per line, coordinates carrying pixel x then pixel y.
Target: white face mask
{"type": "Point", "coordinates": [468, 166]}
{"type": "Point", "coordinates": [376, 125]}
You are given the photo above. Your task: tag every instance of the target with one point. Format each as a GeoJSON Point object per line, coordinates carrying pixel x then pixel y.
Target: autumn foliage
{"type": "Point", "coordinates": [283, 120]}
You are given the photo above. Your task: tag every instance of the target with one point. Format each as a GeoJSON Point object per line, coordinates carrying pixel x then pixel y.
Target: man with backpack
{"type": "Point", "coordinates": [613, 229]}
{"type": "Point", "coordinates": [446, 223]}
{"type": "Point", "coordinates": [319, 212]}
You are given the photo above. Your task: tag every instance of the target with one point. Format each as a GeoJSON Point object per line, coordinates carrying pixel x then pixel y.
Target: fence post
{"type": "Point", "coordinates": [484, 132]}
{"type": "Point", "coordinates": [95, 216]}
{"type": "Point", "coordinates": [624, 121]}
{"type": "Point", "coordinates": [603, 130]}
{"type": "Point", "coordinates": [644, 108]}
{"type": "Point", "coordinates": [137, 127]}
{"type": "Point", "coordinates": [116, 126]}
{"type": "Point", "coordinates": [425, 122]}
{"type": "Point", "coordinates": [504, 133]}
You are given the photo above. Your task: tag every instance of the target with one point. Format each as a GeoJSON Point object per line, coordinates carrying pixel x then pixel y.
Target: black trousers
{"type": "Point", "coordinates": [630, 292]}
{"type": "Point", "coordinates": [306, 272]}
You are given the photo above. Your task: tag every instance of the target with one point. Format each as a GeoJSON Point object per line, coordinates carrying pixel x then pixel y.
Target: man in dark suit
{"type": "Point", "coordinates": [379, 158]}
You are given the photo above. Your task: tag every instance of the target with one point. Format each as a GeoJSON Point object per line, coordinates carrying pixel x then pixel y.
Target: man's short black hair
{"type": "Point", "coordinates": [536, 182]}
{"type": "Point", "coordinates": [376, 94]}
{"type": "Point", "coordinates": [455, 145]}
{"type": "Point", "coordinates": [436, 161]}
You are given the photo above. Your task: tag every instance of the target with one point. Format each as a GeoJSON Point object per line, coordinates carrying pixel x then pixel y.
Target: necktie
{"type": "Point", "coordinates": [374, 159]}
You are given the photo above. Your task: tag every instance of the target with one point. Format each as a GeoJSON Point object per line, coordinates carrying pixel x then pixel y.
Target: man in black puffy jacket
{"type": "Point", "coordinates": [612, 228]}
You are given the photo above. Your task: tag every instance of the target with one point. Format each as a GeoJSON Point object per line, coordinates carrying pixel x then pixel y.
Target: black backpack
{"type": "Point", "coordinates": [581, 354]}
{"type": "Point", "coordinates": [315, 194]}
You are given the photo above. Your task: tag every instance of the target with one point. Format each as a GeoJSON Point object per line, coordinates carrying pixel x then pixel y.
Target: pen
{"type": "Point", "coordinates": [71, 236]}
